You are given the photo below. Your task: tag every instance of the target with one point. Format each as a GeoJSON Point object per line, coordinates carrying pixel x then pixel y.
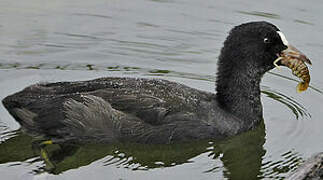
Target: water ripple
{"type": "Point", "coordinates": [297, 109]}
{"type": "Point", "coordinates": [288, 162]}
{"type": "Point", "coordinates": [260, 14]}
{"type": "Point", "coordinates": [93, 15]}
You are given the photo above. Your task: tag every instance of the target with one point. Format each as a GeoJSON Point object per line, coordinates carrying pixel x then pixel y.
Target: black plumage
{"type": "Point", "coordinates": [151, 110]}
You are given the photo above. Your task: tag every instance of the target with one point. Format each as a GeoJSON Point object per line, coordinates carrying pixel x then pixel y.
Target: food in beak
{"type": "Point", "coordinates": [295, 60]}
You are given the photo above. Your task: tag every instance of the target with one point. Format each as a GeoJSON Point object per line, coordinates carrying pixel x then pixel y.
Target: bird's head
{"type": "Point", "coordinates": [257, 47]}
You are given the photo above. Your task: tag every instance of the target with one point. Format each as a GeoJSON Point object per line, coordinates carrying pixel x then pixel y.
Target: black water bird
{"type": "Point", "coordinates": [141, 110]}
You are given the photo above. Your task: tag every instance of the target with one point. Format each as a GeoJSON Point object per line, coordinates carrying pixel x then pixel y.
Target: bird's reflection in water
{"type": "Point", "coordinates": [241, 155]}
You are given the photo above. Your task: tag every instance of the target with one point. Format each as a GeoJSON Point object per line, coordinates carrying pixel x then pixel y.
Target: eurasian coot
{"type": "Point", "coordinates": [141, 110]}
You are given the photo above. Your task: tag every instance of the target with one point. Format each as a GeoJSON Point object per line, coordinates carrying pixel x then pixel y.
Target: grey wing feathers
{"type": "Point", "coordinates": [28, 120]}
{"type": "Point", "coordinates": [26, 115]}
{"type": "Point", "coordinates": [93, 117]}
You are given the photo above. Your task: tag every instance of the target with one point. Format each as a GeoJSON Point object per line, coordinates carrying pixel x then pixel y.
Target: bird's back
{"type": "Point", "coordinates": [114, 108]}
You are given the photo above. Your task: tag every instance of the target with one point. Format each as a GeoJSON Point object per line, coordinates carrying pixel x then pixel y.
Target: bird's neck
{"type": "Point", "coordinates": [238, 92]}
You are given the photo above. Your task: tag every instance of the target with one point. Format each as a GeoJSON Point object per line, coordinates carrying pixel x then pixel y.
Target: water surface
{"type": "Point", "coordinates": [47, 41]}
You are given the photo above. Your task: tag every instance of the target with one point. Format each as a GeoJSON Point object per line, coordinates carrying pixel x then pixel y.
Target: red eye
{"type": "Point", "coordinates": [266, 40]}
